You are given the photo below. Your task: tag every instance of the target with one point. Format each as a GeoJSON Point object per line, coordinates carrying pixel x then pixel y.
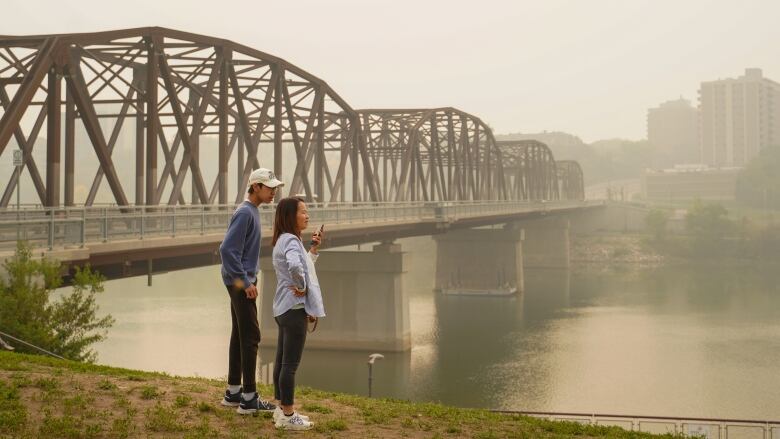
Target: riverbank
{"type": "Point", "coordinates": [44, 397]}
{"type": "Point", "coordinates": [614, 248]}
{"type": "Point", "coordinates": [606, 251]}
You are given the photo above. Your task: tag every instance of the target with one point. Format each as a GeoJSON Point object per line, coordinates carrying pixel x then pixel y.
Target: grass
{"type": "Point", "coordinates": [315, 408]}
{"type": "Point", "coordinates": [164, 419]}
{"type": "Point", "coordinates": [182, 401]}
{"type": "Point", "coordinates": [331, 425]}
{"type": "Point", "coordinates": [149, 392]}
{"type": "Point", "coordinates": [113, 404]}
{"type": "Point", "coordinates": [46, 384]}
{"type": "Point", "coordinates": [13, 415]}
{"type": "Point", "coordinates": [106, 385]}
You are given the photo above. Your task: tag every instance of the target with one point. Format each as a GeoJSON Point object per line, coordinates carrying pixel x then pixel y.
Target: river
{"type": "Point", "coordinates": [666, 341]}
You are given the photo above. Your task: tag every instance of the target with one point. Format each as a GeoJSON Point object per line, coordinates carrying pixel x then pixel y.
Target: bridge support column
{"type": "Point", "coordinates": [546, 242]}
{"type": "Point", "coordinates": [479, 261]}
{"type": "Point", "coordinates": [366, 307]}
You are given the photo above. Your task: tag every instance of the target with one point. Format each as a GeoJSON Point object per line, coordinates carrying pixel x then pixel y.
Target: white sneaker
{"type": "Point", "coordinates": [278, 413]}
{"type": "Point", "coordinates": [294, 422]}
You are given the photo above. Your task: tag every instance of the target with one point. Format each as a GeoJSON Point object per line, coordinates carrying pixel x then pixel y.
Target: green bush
{"type": "Point", "coordinates": [67, 326]}
{"type": "Point", "coordinates": [758, 184]}
{"type": "Point", "coordinates": [709, 226]}
{"type": "Point", "coordinates": [655, 223]}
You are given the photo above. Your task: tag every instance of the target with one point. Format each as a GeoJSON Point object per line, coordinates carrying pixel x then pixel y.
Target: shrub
{"type": "Point", "coordinates": [655, 223]}
{"type": "Point", "coordinates": [67, 326]}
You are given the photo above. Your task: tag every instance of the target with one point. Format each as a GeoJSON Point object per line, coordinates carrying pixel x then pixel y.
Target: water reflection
{"type": "Point", "coordinates": [348, 371]}
{"type": "Point", "coordinates": [669, 341]}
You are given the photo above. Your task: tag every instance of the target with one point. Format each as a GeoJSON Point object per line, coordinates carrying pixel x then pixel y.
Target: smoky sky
{"type": "Point", "coordinates": [591, 68]}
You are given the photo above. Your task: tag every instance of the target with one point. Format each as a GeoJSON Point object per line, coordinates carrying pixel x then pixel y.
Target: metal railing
{"type": "Point", "coordinates": [72, 227]}
{"type": "Point", "coordinates": [709, 428]}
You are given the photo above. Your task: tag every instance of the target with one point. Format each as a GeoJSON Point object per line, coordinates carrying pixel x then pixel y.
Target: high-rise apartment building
{"type": "Point", "coordinates": [738, 118]}
{"type": "Point", "coordinates": [673, 132]}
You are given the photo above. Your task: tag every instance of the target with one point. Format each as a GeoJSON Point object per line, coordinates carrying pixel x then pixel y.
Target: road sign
{"type": "Point", "coordinates": [17, 157]}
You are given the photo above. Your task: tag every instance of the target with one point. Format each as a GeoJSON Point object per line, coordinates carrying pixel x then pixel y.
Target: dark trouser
{"type": "Point", "coordinates": [244, 338]}
{"type": "Point", "coordinates": [289, 349]}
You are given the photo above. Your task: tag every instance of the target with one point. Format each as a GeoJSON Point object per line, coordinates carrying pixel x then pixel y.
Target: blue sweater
{"type": "Point", "coordinates": [240, 250]}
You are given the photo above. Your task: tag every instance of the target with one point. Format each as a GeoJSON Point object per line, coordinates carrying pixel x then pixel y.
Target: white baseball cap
{"type": "Point", "coordinates": [265, 177]}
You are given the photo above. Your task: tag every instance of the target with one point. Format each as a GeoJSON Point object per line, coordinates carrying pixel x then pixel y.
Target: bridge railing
{"type": "Point", "coordinates": [76, 227]}
{"type": "Point", "coordinates": [709, 428]}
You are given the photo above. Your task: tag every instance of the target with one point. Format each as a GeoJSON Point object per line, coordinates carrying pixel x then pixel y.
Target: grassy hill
{"type": "Point", "coordinates": [47, 398]}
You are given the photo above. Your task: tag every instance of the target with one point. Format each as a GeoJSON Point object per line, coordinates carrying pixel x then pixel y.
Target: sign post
{"type": "Point", "coordinates": [18, 159]}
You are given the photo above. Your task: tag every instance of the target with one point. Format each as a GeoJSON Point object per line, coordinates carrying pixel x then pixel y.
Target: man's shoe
{"type": "Point", "coordinates": [254, 405]}
{"type": "Point", "coordinates": [294, 422]}
{"type": "Point", "coordinates": [231, 399]}
{"type": "Point", "coordinates": [278, 413]}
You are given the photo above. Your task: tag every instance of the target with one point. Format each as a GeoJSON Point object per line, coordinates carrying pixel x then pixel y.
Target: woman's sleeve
{"type": "Point", "coordinates": [294, 257]}
{"type": "Point", "coordinates": [314, 257]}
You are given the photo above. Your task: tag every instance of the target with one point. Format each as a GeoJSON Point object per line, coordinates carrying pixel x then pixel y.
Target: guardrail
{"type": "Point", "coordinates": [709, 428]}
{"type": "Point", "coordinates": [77, 227]}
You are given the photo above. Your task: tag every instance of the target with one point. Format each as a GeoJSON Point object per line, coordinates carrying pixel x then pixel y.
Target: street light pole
{"type": "Point", "coordinates": [371, 359]}
{"type": "Point", "coordinates": [18, 198]}
{"type": "Point", "coordinates": [18, 160]}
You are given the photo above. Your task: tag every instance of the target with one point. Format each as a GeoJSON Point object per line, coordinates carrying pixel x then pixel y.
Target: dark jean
{"type": "Point", "coordinates": [289, 349]}
{"type": "Point", "coordinates": [244, 338]}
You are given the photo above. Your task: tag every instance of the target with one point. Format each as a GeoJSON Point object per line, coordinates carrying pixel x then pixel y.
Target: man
{"type": "Point", "coordinates": [240, 251]}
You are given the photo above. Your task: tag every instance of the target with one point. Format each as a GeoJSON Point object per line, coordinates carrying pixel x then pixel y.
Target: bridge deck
{"type": "Point", "coordinates": [114, 235]}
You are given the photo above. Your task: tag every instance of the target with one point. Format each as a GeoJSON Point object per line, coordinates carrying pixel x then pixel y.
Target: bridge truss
{"type": "Point", "coordinates": [529, 167]}
{"type": "Point", "coordinates": [130, 117]}
{"type": "Point", "coordinates": [570, 180]}
{"type": "Point", "coordinates": [440, 154]}
{"type": "Point", "coordinates": [173, 94]}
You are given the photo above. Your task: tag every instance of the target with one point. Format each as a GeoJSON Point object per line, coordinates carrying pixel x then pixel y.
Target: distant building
{"type": "Point", "coordinates": [689, 182]}
{"type": "Point", "coordinates": [673, 133]}
{"type": "Point", "coordinates": [738, 118]}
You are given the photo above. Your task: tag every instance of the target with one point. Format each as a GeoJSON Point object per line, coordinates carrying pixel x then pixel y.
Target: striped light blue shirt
{"type": "Point", "coordinates": [291, 270]}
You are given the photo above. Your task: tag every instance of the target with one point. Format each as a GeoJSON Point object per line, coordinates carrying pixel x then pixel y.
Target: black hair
{"type": "Point", "coordinates": [286, 220]}
{"type": "Point", "coordinates": [251, 188]}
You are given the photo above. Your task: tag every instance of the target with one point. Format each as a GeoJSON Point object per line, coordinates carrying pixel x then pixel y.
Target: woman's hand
{"type": "Point", "coordinates": [297, 292]}
{"type": "Point", "coordinates": [312, 319]}
{"type": "Point", "coordinates": [316, 240]}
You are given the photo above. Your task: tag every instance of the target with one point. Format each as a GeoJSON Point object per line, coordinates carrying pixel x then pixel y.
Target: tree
{"type": "Point", "coordinates": [655, 222]}
{"type": "Point", "coordinates": [67, 326]}
{"type": "Point", "coordinates": [709, 225]}
{"type": "Point", "coordinates": [758, 185]}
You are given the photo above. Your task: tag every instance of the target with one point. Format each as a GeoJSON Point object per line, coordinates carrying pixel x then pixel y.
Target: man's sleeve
{"type": "Point", "coordinates": [232, 249]}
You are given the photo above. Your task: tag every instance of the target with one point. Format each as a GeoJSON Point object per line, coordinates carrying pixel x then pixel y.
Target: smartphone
{"type": "Point", "coordinates": [318, 232]}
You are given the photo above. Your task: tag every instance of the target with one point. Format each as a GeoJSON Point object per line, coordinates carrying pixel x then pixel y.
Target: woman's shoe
{"type": "Point", "coordinates": [293, 422]}
{"type": "Point", "coordinates": [278, 413]}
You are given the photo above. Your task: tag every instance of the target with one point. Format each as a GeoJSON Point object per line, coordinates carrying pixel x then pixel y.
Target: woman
{"type": "Point", "coordinates": [297, 302]}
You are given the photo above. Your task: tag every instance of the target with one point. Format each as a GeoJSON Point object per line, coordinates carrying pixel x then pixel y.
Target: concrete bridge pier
{"type": "Point", "coordinates": [546, 242]}
{"type": "Point", "coordinates": [479, 261]}
{"type": "Point", "coordinates": [366, 307]}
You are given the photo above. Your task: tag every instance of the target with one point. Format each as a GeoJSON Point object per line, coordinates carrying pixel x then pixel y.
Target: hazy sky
{"type": "Point", "coordinates": [587, 67]}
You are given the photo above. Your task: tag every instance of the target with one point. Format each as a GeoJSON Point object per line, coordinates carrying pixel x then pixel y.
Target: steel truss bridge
{"type": "Point", "coordinates": [169, 99]}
